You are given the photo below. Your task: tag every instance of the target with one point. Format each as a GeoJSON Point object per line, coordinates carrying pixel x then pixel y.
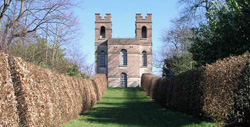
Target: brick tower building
{"type": "Point", "coordinates": [123, 60]}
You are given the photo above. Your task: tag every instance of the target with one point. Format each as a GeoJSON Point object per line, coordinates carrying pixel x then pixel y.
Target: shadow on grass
{"type": "Point", "coordinates": [132, 107]}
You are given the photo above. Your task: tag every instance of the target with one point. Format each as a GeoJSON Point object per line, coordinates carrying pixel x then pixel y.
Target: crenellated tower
{"type": "Point", "coordinates": [143, 32]}
{"type": "Point", "coordinates": [103, 32]}
{"type": "Point", "coordinates": [143, 28]}
{"type": "Point", "coordinates": [103, 28]}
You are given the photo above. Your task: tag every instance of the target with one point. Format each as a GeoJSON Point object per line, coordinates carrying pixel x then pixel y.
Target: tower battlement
{"type": "Point", "coordinates": [98, 17]}
{"type": "Point", "coordinates": [140, 18]}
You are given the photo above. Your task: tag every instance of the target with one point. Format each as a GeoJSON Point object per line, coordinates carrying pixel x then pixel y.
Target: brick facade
{"type": "Point", "coordinates": [112, 48]}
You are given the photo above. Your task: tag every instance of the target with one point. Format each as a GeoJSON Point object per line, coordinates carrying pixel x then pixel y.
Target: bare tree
{"type": "Point", "coordinates": [4, 6]}
{"type": "Point", "coordinates": [177, 39]}
{"type": "Point", "coordinates": [77, 57]}
{"type": "Point", "coordinates": [194, 11]}
{"type": "Point", "coordinates": [22, 18]}
{"type": "Point", "coordinates": [175, 44]}
{"type": "Point", "coordinates": [88, 69]}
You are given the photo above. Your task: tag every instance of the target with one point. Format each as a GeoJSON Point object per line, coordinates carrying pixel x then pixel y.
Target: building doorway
{"type": "Point", "coordinates": [123, 80]}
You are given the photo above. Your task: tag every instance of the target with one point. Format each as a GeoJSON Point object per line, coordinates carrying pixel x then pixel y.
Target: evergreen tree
{"type": "Point", "coordinates": [227, 32]}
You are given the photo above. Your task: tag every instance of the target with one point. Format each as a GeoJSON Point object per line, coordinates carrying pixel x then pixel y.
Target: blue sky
{"type": "Point", "coordinates": [123, 19]}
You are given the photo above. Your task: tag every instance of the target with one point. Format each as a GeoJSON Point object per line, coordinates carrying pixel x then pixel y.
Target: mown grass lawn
{"type": "Point", "coordinates": [131, 108]}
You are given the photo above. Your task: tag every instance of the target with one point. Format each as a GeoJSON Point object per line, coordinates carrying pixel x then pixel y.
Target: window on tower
{"type": "Point", "coordinates": [144, 58]}
{"type": "Point", "coordinates": [123, 57]}
{"type": "Point", "coordinates": [144, 32]}
{"type": "Point", "coordinates": [102, 58]}
{"type": "Point", "coordinates": [102, 32]}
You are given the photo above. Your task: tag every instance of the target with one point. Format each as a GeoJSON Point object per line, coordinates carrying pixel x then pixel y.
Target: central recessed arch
{"type": "Point", "coordinates": [123, 80]}
{"type": "Point", "coordinates": [102, 62]}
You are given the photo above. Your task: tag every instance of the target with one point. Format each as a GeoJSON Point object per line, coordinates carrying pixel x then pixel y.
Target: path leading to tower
{"type": "Point", "coordinates": [131, 108]}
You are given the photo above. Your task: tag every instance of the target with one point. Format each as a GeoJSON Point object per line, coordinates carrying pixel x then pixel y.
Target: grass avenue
{"type": "Point", "coordinates": [131, 108]}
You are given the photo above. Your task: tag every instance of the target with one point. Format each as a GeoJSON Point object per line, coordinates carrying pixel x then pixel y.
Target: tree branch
{"type": "Point", "coordinates": [5, 7]}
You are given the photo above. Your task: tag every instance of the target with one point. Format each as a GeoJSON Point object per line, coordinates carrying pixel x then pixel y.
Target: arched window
{"type": "Point", "coordinates": [144, 58]}
{"type": "Point", "coordinates": [123, 57]}
{"type": "Point", "coordinates": [102, 32]}
{"type": "Point", "coordinates": [102, 58]}
{"type": "Point", "coordinates": [123, 80]}
{"type": "Point", "coordinates": [144, 32]}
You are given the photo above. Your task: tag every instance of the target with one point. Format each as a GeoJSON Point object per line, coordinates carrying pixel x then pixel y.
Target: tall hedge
{"type": "Point", "coordinates": [220, 91]}
{"type": "Point", "coordinates": [44, 98]}
{"type": "Point", "coordinates": [227, 89]}
{"type": "Point", "coordinates": [8, 111]}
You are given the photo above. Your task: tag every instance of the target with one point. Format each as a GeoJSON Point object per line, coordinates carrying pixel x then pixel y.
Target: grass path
{"type": "Point", "coordinates": [131, 108]}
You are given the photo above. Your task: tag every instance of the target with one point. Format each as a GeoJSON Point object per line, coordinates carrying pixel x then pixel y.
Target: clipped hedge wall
{"type": "Point", "coordinates": [49, 99]}
{"type": "Point", "coordinates": [227, 90]}
{"type": "Point", "coordinates": [8, 111]}
{"type": "Point", "coordinates": [220, 91]}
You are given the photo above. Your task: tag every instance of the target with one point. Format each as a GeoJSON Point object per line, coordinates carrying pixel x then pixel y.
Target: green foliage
{"type": "Point", "coordinates": [72, 70]}
{"type": "Point", "coordinates": [176, 65]}
{"type": "Point", "coordinates": [242, 97]}
{"type": "Point", "coordinates": [48, 56]}
{"type": "Point", "coordinates": [168, 68]}
{"type": "Point", "coordinates": [84, 75]}
{"type": "Point", "coordinates": [201, 48]}
{"type": "Point", "coordinates": [227, 32]}
{"type": "Point", "coordinates": [177, 58]}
